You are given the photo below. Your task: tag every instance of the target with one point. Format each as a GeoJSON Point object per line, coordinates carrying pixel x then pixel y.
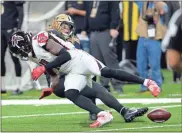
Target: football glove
{"type": "Point", "coordinates": [37, 72]}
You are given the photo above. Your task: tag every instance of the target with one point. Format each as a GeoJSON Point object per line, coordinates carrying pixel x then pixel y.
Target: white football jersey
{"type": "Point", "coordinates": [40, 39]}
{"type": "Point", "coordinates": [80, 69]}
{"type": "Point", "coordinates": [81, 62]}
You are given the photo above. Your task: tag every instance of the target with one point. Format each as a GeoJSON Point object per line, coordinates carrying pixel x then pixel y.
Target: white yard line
{"type": "Point", "coordinates": [51, 114]}
{"type": "Point", "coordinates": [73, 113]}
{"type": "Point", "coordinates": [66, 101]}
{"type": "Point", "coordinates": [147, 127]}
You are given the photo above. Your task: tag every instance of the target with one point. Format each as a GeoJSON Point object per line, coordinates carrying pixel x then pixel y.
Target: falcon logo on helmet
{"type": "Point", "coordinates": [15, 39]}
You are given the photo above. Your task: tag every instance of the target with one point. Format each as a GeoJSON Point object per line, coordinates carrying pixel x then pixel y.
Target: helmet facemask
{"type": "Point", "coordinates": [66, 29]}
{"type": "Point", "coordinates": [64, 25]}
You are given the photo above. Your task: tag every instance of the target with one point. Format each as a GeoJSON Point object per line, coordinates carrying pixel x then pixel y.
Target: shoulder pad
{"type": "Point", "coordinates": [42, 38]}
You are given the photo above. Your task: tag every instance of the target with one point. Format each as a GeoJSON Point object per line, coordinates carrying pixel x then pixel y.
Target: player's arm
{"type": "Point", "coordinates": [62, 58]}
{"type": "Point", "coordinates": [55, 46]}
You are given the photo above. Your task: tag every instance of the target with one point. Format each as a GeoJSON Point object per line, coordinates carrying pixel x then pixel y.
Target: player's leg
{"type": "Point", "coordinates": [73, 85]}
{"type": "Point", "coordinates": [126, 76]}
{"type": "Point", "coordinates": [73, 81]}
{"type": "Point", "coordinates": [98, 91]}
{"type": "Point", "coordinates": [94, 67]}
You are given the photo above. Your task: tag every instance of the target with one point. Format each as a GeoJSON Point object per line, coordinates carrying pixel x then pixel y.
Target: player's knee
{"type": "Point", "coordinates": [106, 72]}
{"type": "Point", "coordinates": [72, 94]}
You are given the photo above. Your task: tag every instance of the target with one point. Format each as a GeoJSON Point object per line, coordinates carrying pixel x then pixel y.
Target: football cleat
{"type": "Point", "coordinates": [153, 87]}
{"type": "Point", "coordinates": [131, 114]}
{"type": "Point", "coordinates": [103, 118]}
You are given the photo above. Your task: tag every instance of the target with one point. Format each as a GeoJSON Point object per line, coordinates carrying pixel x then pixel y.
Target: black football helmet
{"type": "Point", "coordinates": [20, 44]}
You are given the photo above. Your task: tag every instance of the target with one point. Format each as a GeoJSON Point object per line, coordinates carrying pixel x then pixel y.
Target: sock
{"type": "Point", "coordinates": [122, 111]}
{"type": "Point", "coordinates": [145, 82]}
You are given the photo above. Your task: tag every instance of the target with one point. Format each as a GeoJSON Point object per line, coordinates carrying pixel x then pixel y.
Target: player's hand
{"type": "Point", "coordinates": [37, 72]}
{"type": "Point", "coordinates": [46, 92]}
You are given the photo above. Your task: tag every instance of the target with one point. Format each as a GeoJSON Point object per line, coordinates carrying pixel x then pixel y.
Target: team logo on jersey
{"type": "Point", "coordinates": [42, 38]}
{"type": "Point", "coordinates": [16, 39]}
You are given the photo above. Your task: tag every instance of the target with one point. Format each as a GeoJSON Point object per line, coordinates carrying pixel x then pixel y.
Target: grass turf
{"type": "Point", "coordinates": [49, 121]}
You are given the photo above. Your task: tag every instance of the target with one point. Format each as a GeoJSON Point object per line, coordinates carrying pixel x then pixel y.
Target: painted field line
{"type": "Point", "coordinates": [66, 101]}
{"type": "Point", "coordinates": [73, 113]}
{"type": "Point", "coordinates": [51, 114]}
{"type": "Point", "coordinates": [147, 127]}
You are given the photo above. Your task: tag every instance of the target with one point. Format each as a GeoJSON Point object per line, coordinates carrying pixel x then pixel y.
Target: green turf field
{"type": "Point", "coordinates": [63, 117]}
{"type": "Point", "coordinates": [71, 118]}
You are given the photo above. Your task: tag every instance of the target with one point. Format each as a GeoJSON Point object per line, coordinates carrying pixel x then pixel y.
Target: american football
{"type": "Point", "coordinates": [159, 115]}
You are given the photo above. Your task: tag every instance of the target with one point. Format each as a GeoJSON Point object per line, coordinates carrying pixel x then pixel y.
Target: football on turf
{"type": "Point", "coordinates": [159, 115]}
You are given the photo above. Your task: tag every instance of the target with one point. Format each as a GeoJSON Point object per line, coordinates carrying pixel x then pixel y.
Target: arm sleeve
{"type": "Point", "coordinates": [62, 58]}
{"type": "Point", "coordinates": [115, 14]}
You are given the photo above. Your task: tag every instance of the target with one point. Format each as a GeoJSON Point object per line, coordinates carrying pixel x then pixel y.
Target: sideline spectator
{"type": "Point", "coordinates": [102, 19]}
{"type": "Point", "coordinates": [76, 9]}
{"type": "Point", "coordinates": [151, 30]}
{"type": "Point", "coordinates": [130, 21]}
{"type": "Point", "coordinates": [12, 18]}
